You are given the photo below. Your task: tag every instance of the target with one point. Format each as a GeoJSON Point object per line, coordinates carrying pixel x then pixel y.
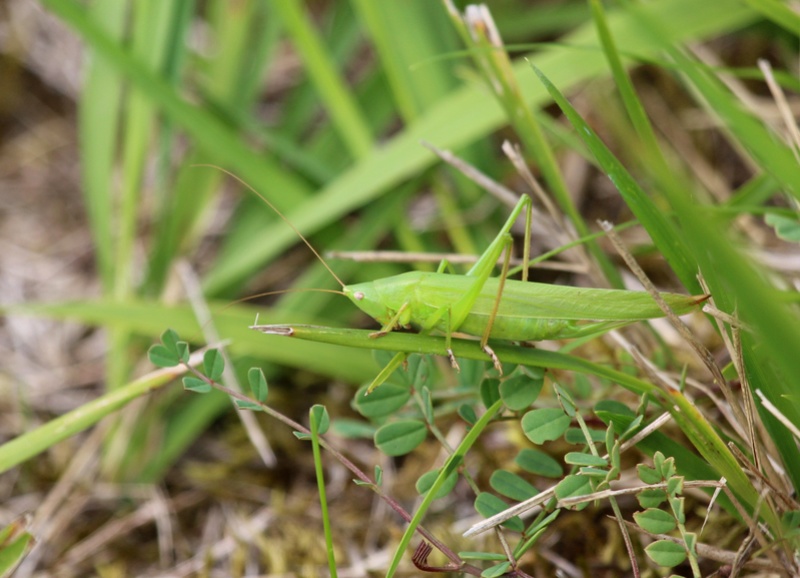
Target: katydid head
{"type": "Point", "coordinates": [366, 297]}
{"type": "Point", "coordinates": [386, 300]}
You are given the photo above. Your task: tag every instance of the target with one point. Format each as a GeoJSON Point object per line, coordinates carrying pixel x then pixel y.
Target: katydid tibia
{"type": "Point", "coordinates": [493, 307]}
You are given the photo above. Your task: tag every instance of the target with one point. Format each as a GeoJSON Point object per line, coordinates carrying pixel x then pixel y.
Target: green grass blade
{"type": "Point", "coordinates": [663, 232]}
{"type": "Point", "coordinates": [469, 349]}
{"type": "Point", "coordinates": [45, 436]}
{"type": "Point", "coordinates": [314, 425]}
{"type": "Point", "coordinates": [779, 12]}
{"type": "Point", "coordinates": [765, 147]}
{"type": "Point", "coordinates": [344, 112]}
{"type": "Point", "coordinates": [98, 111]}
{"type": "Point", "coordinates": [149, 318]}
{"type": "Point", "coordinates": [209, 133]}
{"type": "Point", "coordinates": [631, 100]}
{"type": "Point", "coordinates": [148, 44]}
{"type": "Point", "coordinates": [456, 121]}
{"type": "Point", "coordinates": [703, 437]}
{"type": "Point", "coordinates": [406, 35]}
{"type": "Point", "coordinates": [496, 68]}
{"type": "Point", "coordinates": [453, 461]}
{"type": "Point", "coordinates": [738, 286]}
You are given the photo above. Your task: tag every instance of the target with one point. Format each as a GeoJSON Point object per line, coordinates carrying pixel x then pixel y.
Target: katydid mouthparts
{"type": "Point", "coordinates": [494, 308]}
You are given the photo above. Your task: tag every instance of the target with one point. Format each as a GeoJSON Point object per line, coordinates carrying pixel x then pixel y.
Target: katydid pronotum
{"type": "Point", "coordinates": [494, 308]}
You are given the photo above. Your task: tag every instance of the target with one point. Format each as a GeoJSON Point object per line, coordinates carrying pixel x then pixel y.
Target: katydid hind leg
{"type": "Point", "coordinates": [388, 370]}
{"type": "Point", "coordinates": [526, 248]}
{"type": "Point", "coordinates": [482, 271]}
{"type": "Point", "coordinates": [487, 261]}
{"type": "Point", "coordinates": [448, 343]}
{"type": "Point", "coordinates": [445, 266]}
{"type": "Point", "coordinates": [493, 315]}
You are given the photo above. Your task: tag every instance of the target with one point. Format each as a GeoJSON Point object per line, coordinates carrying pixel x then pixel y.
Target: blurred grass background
{"type": "Point", "coordinates": [106, 110]}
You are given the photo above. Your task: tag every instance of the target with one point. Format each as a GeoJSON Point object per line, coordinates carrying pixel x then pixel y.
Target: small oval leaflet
{"type": "Point", "coordinates": [547, 424]}
{"type": "Point", "coordinates": [383, 401]}
{"type": "Point", "coordinates": [666, 553]}
{"type": "Point", "coordinates": [655, 521]}
{"type": "Point", "coordinates": [512, 485]}
{"type": "Point", "coordinates": [399, 438]}
{"type": "Point", "coordinates": [539, 463]}
{"type": "Point", "coordinates": [488, 505]}
{"type": "Point", "coordinates": [520, 391]}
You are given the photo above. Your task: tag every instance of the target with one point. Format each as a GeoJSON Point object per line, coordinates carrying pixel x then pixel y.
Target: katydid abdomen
{"type": "Point", "coordinates": [527, 311]}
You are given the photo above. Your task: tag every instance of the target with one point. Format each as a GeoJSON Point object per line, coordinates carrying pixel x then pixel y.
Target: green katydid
{"type": "Point", "coordinates": [493, 307]}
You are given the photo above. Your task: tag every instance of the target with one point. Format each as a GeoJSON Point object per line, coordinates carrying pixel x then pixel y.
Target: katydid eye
{"type": "Point", "coordinates": [358, 295]}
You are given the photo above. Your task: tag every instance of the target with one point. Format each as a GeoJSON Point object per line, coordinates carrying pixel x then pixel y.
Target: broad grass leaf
{"type": "Point", "coordinates": [400, 437]}
{"type": "Point", "coordinates": [541, 425]}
